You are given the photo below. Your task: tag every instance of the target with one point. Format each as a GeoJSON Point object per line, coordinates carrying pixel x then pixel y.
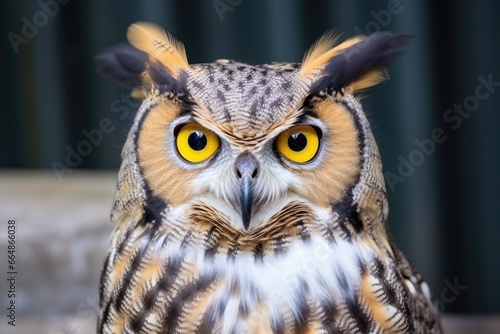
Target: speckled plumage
{"type": "Point", "coordinates": [313, 256]}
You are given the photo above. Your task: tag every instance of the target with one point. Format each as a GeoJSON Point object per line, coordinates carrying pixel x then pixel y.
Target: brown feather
{"type": "Point", "coordinates": [370, 79]}
{"type": "Point", "coordinates": [159, 45]}
{"type": "Point", "coordinates": [322, 51]}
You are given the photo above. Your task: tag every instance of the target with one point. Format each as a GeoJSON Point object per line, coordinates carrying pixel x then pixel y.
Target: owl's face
{"type": "Point", "coordinates": [240, 146]}
{"type": "Point", "coordinates": [247, 143]}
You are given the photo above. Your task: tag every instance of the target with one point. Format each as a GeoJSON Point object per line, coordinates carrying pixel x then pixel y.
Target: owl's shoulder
{"type": "Point", "coordinates": [418, 295]}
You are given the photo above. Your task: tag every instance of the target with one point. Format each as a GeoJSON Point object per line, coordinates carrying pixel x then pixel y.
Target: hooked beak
{"type": "Point", "coordinates": [246, 200]}
{"type": "Point", "coordinates": [246, 166]}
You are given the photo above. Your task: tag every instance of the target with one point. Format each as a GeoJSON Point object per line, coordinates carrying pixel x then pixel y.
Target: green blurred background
{"type": "Point", "coordinates": [443, 186]}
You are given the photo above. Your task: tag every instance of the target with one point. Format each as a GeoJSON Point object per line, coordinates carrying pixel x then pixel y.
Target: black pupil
{"type": "Point", "coordinates": [297, 142]}
{"type": "Point", "coordinates": [197, 140]}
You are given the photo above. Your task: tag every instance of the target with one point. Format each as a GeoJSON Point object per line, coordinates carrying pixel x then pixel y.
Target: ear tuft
{"type": "Point", "coordinates": [357, 63]}
{"type": "Point", "coordinates": [154, 59]}
{"type": "Point", "coordinates": [159, 45]}
{"type": "Point", "coordinates": [124, 64]}
{"type": "Point", "coordinates": [322, 51]}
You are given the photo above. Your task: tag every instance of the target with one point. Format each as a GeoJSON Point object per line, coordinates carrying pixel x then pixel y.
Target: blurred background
{"type": "Point", "coordinates": [62, 127]}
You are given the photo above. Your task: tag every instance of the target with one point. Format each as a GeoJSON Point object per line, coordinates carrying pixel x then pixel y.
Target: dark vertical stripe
{"type": "Point", "coordinates": [211, 243]}
{"type": "Point", "coordinates": [304, 311]}
{"type": "Point", "coordinates": [355, 220]}
{"type": "Point", "coordinates": [174, 310]}
{"type": "Point", "coordinates": [278, 325]}
{"type": "Point", "coordinates": [345, 229]}
{"type": "Point", "coordinates": [150, 234]}
{"type": "Point", "coordinates": [186, 241]}
{"type": "Point", "coordinates": [243, 309]}
{"type": "Point", "coordinates": [360, 131]}
{"type": "Point", "coordinates": [212, 237]}
{"type": "Point", "coordinates": [408, 315]}
{"type": "Point", "coordinates": [258, 253]}
{"type": "Point", "coordinates": [329, 235]}
{"type": "Point", "coordinates": [166, 281]}
{"type": "Point", "coordinates": [140, 123]}
{"type": "Point", "coordinates": [389, 291]}
{"type": "Point", "coordinates": [360, 317]}
{"type": "Point", "coordinates": [211, 316]}
{"type": "Point", "coordinates": [348, 214]}
{"type": "Point", "coordinates": [303, 233]}
{"type": "Point", "coordinates": [279, 244]}
{"type": "Point", "coordinates": [332, 328]}
{"type": "Point", "coordinates": [120, 298]}
{"type": "Point", "coordinates": [232, 253]}
{"type": "Point", "coordinates": [124, 241]}
{"type": "Point", "coordinates": [104, 272]}
{"type": "Point", "coordinates": [346, 208]}
{"type": "Point", "coordinates": [104, 319]}
{"type": "Point", "coordinates": [155, 206]}
{"type": "Point", "coordinates": [331, 312]}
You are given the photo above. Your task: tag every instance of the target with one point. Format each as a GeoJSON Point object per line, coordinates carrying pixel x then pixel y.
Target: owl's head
{"type": "Point", "coordinates": [248, 148]}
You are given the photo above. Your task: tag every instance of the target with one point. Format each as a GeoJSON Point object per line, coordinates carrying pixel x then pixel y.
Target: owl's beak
{"type": "Point", "coordinates": [246, 200]}
{"type": "Point", "coordinates": [246, 171]}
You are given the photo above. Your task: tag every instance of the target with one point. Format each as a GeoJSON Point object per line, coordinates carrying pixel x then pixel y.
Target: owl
{"type": "Point", "coordinates": [251, 199]}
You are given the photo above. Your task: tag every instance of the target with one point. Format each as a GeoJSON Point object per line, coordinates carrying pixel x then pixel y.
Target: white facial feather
{"type": "Point", "coordinates": [218, 186]}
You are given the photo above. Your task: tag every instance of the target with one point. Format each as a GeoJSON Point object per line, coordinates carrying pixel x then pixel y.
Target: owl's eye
{"type": "Point", "coordinates": [299, 144]}
{"type": "Point", "coordinates": [196, 143]}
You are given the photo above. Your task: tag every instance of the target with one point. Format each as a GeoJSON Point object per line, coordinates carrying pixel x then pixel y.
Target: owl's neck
{"type": "Point", "coordinates": [200, 227]}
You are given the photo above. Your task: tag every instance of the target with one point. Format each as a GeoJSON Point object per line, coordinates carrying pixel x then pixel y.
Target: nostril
{"type": "Point", "coordinates": [239, 175]}
{"type": "Point", "coordinates": [254, 174]}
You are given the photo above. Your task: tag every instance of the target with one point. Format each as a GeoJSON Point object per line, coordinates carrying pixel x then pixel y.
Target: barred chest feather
{"type": "Point", "coordinates": [260, 293]}
{"type": "Point", "coordinates": [161, 280]}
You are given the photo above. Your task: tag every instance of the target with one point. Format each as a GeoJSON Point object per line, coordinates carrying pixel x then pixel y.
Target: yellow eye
{"type": "Point", "coordinates": [196, 143]}
{"type": "Point", "coordinates": [299, 144]}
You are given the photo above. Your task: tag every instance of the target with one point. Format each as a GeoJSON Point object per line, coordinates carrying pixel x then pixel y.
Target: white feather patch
{"type": "Point", "coordinates": [426, 291]}
{"type": "Point", "coordinates": [330, 271]}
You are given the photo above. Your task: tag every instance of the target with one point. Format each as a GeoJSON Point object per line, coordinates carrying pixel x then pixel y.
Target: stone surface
{"type": "Point", "coordinates": [471, 324]}
{"type": "Point", "coordinates": [62, 231]}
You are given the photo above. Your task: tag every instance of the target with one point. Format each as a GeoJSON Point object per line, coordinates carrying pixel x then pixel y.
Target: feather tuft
{"type": "Point", "coordinates": [160, 45]}
{"type": "Point", "coordinates": [322, 51]}
{"type": "Point", "coordinates": [359, 63]}
{"type": "Point", "coordinates": [123, 63]}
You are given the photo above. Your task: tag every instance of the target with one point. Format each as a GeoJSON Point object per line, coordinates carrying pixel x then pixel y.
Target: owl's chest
{"type": "Point", "coordinates": [247, 293]}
